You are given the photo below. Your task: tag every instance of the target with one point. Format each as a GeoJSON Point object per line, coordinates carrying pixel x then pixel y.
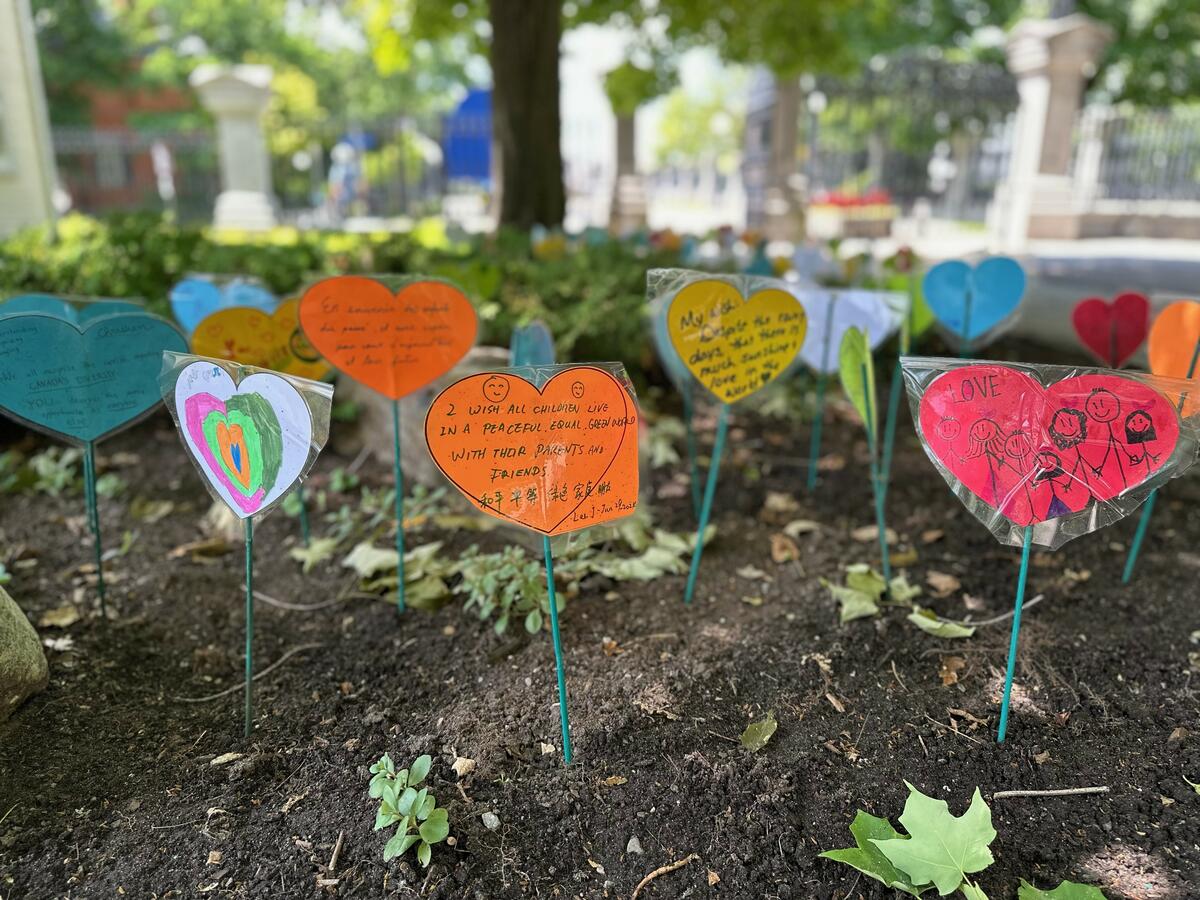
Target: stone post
{"type": "Point", "coordinates": [1051, 59]}
{"type": "Point", "coordinates": [27, 173]}
{"type": "Point", "coordinates": [237, 96]}
{"type": "Point", "coordinates": [783, 214]}
{"type": "Point", "coordinates": [628, 212]}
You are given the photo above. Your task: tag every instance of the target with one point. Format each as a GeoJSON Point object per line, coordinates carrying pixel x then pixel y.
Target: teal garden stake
{"type": "Point", "coordinates": [394, 336]}
{"type": "Point", "coordinates": [1044, 454]}
{"type": "Point", "coordinates": [82, 375]}
{"type": "Point", "coordinates": [253, 434]}
{"type": "Point", "coordinates": [486, 432]}
{"type": "Point", "coordinates": [974, 304]}
{"type": "Point", "coordinates": [733, 343]}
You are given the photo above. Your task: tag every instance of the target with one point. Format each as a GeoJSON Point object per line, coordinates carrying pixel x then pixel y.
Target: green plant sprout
{"type": "Point", "coordinates": [413, 809]}
{"type": "Point", "coordinates": [939, 851]}
{"type": "Point", "coordinates": [508, 585]}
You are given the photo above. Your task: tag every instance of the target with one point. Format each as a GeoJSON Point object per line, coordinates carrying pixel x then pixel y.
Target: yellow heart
{"type": "Point", "coordinates": [732, 344]}
{"type": "Point", "coordinates": [252, 338]}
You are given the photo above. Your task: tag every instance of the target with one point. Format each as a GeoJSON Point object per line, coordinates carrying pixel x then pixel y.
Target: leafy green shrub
{"type": "Point", "coordinates": [507, 584]}
{"type": "Point", "coordinates": [413, 809]}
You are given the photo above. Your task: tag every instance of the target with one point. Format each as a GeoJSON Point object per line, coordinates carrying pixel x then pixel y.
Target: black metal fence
{"type": "Point", "coordinates": [1142, 154]}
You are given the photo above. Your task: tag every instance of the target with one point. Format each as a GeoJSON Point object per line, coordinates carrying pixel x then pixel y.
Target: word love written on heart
{"type": "Point", "coordinates": [554, 460]}
{"type": "Point", "coordinates": [734, 345]}
{"type": "Point", "coordinates": [1036, 453]}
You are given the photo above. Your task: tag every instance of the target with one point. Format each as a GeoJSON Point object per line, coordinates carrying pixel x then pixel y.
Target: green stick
{"type": "Point", "coordinates": [564, 718]}
{"type": "Point", "coordinates": [399, 508]}
{"type": "Point", "coordinates": [893, 413]}
{"type": "Point", "coordinates": [877, 489]}
{"type": "Point", "coordinates": [248, 727]}
{"type": "Point", "coordinates": [710, 490]}
{"type": "Point", "coordinates": [305, 532]}
{"type": "Point", "coordinates": [814, 447]}
{"type": "Point", "coordinates": [964, 349]}
{"type": "Point", "coordinates": [693, 467]}
{"type": "Point", "coordinates": [1148, 510]}
{"type": "Point", "coordinates": [93, 513]}
{"type": "Point", "coordinates": [1012, 641]}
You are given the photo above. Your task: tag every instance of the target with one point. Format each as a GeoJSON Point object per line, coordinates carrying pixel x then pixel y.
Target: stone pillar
{"type": "Point", "coordinates": [27, 173]}
{"type": "Point", "coordinates": [237, 96]}
{"type": "Point", "coordinates": [783, 214]}
{"type": "Point", "coordinates": [628, 211]}
{"type": "Point", "coordinates": [1051, 59]}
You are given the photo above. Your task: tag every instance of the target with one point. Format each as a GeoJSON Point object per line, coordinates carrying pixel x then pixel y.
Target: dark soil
{"type": "Point", "coordinates": [107, 787]}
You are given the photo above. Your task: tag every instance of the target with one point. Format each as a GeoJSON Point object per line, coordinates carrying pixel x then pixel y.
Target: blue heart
{"type": "Point", "coordinates": [979, 298]}
{"type": "Point", "coordinates": [194, 298]}
{"type": "Point", "coordinates": [60, 307]}
{"type": "Point", "coordinates": [531, 345]}
{"type": "Point", "coordinates": [87, 381]}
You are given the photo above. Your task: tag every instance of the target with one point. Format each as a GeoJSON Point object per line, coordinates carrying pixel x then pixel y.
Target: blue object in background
{"type": "Point", "coordinates": [760, 263]}
{"type": "Point", "coordinates": [970, 302]}
{"type": "Point", "coordinates": [467, 139]}
{"type": "Point", "coordinates": [531, 345]}
{"type": "Point", "coordinates": [195, 298]}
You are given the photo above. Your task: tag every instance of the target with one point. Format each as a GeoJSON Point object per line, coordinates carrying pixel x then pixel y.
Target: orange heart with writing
{"type": "Point", "coordinates": [393, 342]}
{"type": "Point", "coordinates": [554, 460]}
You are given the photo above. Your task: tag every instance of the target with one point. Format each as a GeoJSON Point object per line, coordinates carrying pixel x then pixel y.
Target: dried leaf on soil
{"type": "Point", "coordinates": [927, 620]}
{"type": "Point", "coordinates": [756, 735]}
{"type": "Point", "coordinates": [783, 548]}
{"type": "Point", "coordinates": [868, 534]}
{"type": "Point", "coordinates": [615, 780]}
{"type": "Point", "coordinates": [463, 766]}
{"type": "Point", "coordinates": [318, 551]}
{"type": "Point", "coordinates": [942, 584]}
{"type": "Point", "coordinates": [951, 666]}
{"type": "Point", "coordinates": [202, 549]}
{"type": "Point", "coordinates": [932, 536]}
{"type": "Point", "coordinates": [59, 617]}
{"type": "Point", "coordinates": [797, 527]}
{"type": "Point", "coordinates": [713, 878]}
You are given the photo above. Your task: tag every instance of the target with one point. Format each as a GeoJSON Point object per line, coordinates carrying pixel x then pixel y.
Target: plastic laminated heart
{"type": "Point", "coordinates": [1112, 332]}
{"type": "Point", "coordinates": [553, 456]}
{"type": "Point", "coordinates": [973, 304]}
{"type": "Point", "coordinates": [252, 433]}
{"type": "Point", "coordinates": [197, 297]}
{"type": "Point", "coordinates": [253, 338]}
{"type": "Point", "coordinates": [1066, 451]}
{"type": "Point", "coordinates": [1174, 346]}
{"type": "Point", "coordinates": [74, 309]}
{"type": "Point", "coordinates": [832, 313]}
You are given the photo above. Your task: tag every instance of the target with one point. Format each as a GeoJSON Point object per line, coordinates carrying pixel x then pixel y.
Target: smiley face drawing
{"type": "Point", "coordinates": [495, 389]}
{"type": "Point", "coordinates": [577, 390]}
{"type": "Point", "coordinates": [948, 429]}
{"type": "Point", "coordinates": [1103, 405]}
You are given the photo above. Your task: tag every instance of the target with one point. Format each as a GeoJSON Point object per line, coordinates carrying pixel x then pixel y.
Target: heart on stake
{"type": "Point", "coordinates": [1035, 453]}
{"type": "Point", "coordinates": [83, 382]}
{"type": "Point", "coordinates": [1112, 331]}
{"type": "Point", "coordinates": [1174, 346]}
{"type": "Point", "coordinates": [831, 314]}
{"type": "Point", "coordinates": [194, 299]}
{"type": "Point", "coordinates": [393, 342]}
{"type": "Point", "coordinates": [62, 308]}
{"type": "Point", "coordinates": [734, 345]}
{"type": "Point", "coordinates": [554, 459]}
{"type": "Point", "coordinates": [251, 441]}
{"type": "Point", "coordinates": [975, 300]}
{"type": "Point", "coordinates": [253, 338]}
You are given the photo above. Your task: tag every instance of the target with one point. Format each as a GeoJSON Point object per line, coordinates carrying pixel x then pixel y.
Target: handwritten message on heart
{"type": "Point", "coordinates": [735, 345]}
{"type": "Point", "coordinates": [970, 302]}
{"type": "Point", "coordinates": [194, 299]}
{"type": "Point", "coordinates": [251, 441]}
{"type": "Point", "coordinates": [1112, 331]}
{"type": "Point", "coordinates": [394, 342]}
{"type": "Point", "coordinates": [83, 381]}
{"type": "Point", "coordinates": [253, 338]}
{"type": "Point", "coordinates": [554, 460]}
{"type": "Point", "coordinates": [832, 313]}
{"type": "Point", "coordinates": [1036, 453]}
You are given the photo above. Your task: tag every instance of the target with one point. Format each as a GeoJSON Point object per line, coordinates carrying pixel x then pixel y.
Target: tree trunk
{"type": "Point", "coordinates": [525, 115]}
{"type": "Point", "coordinates": [628, 211]}
{"type": "Point", "coordinates": [783, 211]}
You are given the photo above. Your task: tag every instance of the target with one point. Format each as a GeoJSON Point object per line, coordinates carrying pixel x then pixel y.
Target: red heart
{"type": "Point", "coordinates": [1112, 331]}
{"type": "Point", "coordinates": [554, 460]}
{"type": "Point", "coordinates": [1034, 453]}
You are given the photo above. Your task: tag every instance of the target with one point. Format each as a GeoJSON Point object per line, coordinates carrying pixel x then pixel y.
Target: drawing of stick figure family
{"type": "Point", "coordinates": [1083, 454]}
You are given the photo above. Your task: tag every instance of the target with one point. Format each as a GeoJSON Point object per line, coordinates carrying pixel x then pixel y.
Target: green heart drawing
{"type": "Point", "coordinates": [245, 442]}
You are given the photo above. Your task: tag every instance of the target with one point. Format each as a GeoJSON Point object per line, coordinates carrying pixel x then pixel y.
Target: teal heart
{"type": "Point", "coordinates": [196, 297]}
{"type": "Point", "coordinates": [83, 381]}
{"type": "Point", "coordinates": [62, 308]}
{"type": "Point", "coordinates": [531, 345]}
{"type": "Point", "coordinates": [970, 302]}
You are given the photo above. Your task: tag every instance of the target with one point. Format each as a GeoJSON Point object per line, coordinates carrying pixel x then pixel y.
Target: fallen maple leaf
{"type": "Point", "coordinates": [951, 666]}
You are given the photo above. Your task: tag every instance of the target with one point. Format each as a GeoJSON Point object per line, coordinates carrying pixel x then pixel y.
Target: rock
{"type": "Point", "coordinates": [491, 821]}
{"type": "Point", "coordinates": [23, 667]}
{"type": "Point", "coordinates": [634, 846]}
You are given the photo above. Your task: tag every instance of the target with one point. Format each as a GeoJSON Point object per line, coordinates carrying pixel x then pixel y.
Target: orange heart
{"type": "Point", "coordinates": [395, 343]}
{"type": "Point", "coordinates": [554, 460]}
{"type": "Point", "coordinates": [253, 338]}
{"type": "Point", "coordinates": [233, 452]}
{"type": "Point", "coordinates": [1174, 343]}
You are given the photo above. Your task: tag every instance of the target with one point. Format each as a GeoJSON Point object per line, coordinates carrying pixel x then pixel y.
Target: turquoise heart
{"type": "Point", "coordinates": [60, 307]}
{"type": "Point", "coordinates": [83, 381]}
{"type": "Point", "coordinates": [531, 345]}
{"type": "Point", "coordinates": [970, 302]}
{"type": "Point", "coordinates": [194, 298]}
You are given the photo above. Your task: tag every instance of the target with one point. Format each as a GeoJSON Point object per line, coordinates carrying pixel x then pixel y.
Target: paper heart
{"type": "Point", "coordinates": [251, 440]}
{"type": "Point", "coordinates": [194, 299]}
{"type": "Point", "coordinates": [554, 460]}
{"type": "Point", "coordinates": [62, 308]}
{"type": "Point", "coordinates": [1036, 453]}
{"type": "Point", "coordinates": [977, 299]}
{"type": "Point", "coordinates": [832, 313]}
{"type": "Point", "coordinates": [253, 338]}
{"type": "Point", "coordinates": [735, 345]}
{"type": "Point", "coordinates": [531, 345]}
{"type": "Point", "coordinates": [83, 381]}
{"type": "Point", "coordinates": [1112, 331]}
{"type": "Point", "coordinates": [394, 343]}
{"type": "Point", "coordinates": [1174, 346]}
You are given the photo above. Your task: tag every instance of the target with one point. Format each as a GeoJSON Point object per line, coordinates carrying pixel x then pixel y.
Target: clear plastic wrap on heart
{"type": "Point", "coordinates": [72, 307]}
{"type": "Point", "coordinates": [253, 434]}
{"type": "Point", "coordinates": [1063, 450]}
{"type": "Point", "coordinates": [982, 299]}
{"type": "Point", "coordinates": [553, 449]}
{"type": "Point", "coordinates": [832, 312]}
{"type": "Point", "coordinates": [81, 371]}
{"type": "Point", "coordinates": [730, 334]}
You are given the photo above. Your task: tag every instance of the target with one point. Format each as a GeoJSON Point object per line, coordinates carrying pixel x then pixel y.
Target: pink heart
{"type": "Point", "coordinates": [1034, 453]}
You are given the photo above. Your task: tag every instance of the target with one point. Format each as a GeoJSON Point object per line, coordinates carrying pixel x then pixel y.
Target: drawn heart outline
{"type": "Point", "coordinates": [978, 298]}
{"type": "Point", "coordinates": [563, 395]}
{"type": "Point", "coordinates": [1035, 453]}
{"type": "Point", "coordinates": [1112, 331]}
{"type": "Point", "coordinates": [352, 321]}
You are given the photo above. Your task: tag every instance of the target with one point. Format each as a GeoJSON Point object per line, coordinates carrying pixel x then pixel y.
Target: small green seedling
{"type": "Point", "coordinates": [404, 803]}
